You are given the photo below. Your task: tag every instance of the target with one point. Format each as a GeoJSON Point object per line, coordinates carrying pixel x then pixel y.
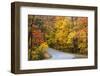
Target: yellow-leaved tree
{"type": "Point", "coordinates": [61, 32]}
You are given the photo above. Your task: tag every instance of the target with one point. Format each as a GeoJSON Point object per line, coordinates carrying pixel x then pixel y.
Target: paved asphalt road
{"type": "Point", "coordinates": [56, 54]}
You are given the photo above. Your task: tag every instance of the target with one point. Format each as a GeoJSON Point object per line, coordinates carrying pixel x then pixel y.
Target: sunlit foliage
{"type": "Point", "coordinates": [68, 34]}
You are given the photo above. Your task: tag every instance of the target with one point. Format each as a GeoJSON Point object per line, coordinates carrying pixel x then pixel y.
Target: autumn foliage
{"type": "Point", "coordinates": [68, 34]}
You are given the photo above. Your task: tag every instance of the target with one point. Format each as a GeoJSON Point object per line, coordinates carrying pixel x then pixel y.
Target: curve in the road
{"type": "Point", "coordinates": [56, 54]}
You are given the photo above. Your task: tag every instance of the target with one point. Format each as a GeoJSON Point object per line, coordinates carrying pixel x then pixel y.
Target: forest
{"type": "Point", "coordinates": [68, 34]}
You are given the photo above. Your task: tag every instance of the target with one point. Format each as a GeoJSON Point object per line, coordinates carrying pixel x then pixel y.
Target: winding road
{"type": "Point", "coordinates": [56, 54]}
